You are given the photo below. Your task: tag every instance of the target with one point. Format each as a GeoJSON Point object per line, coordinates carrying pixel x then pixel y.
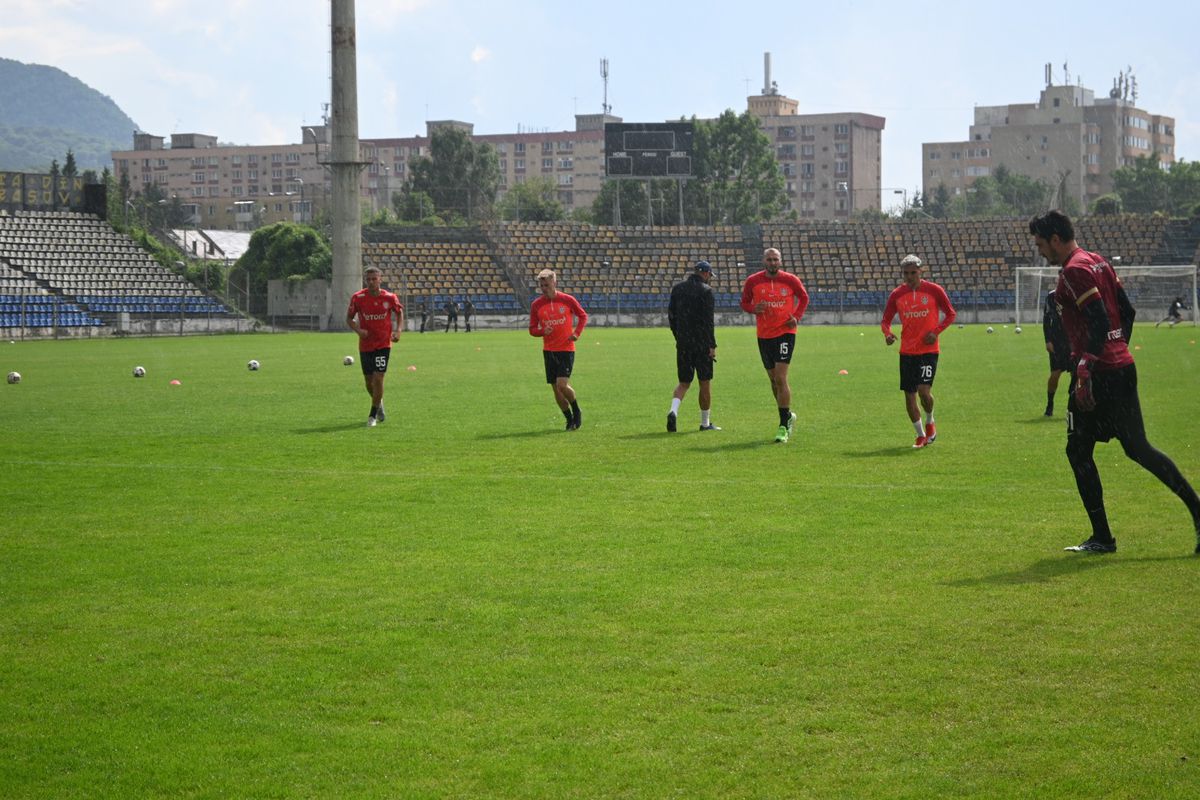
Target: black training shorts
{"type": "Point", "coordinates": [697, 363]}
{"type": "Point", "coordinates": [1118, 411]}
{"type": "Point", "coordinates": [1060, 362]}
{"type": "Point", "coordinates": [559, 364]}
{"type": "Point", "coordinates": [375, 360]}
{"type": "Point", "coordinates": [777, 350]}
{"type": "Point", "coordinates": [918, 369]}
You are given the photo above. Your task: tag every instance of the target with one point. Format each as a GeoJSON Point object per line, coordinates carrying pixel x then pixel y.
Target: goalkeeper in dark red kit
{"type": "Point", "coordinates": [1103, 405]}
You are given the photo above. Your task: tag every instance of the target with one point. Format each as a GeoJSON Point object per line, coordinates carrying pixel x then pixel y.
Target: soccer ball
{"type": "Point", "coordinates": [990, 329]}
{"type": "Point", "coordinates": [14, 377]}
{"type": "Point", "coordinates": [252, 366]}
{"type": "Point", "coordinates": [348, 360]}
{"type": "Point", "coordinates": [139, 372]}
{"type": "Point", "coordinates": [1017, 329]}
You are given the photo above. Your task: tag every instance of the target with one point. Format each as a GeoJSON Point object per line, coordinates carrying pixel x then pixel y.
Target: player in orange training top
{"type": "Point", "coordinates": [919, 303]}
{"type": "Point", "coordinates": [777, 300]}
{"type": "Point", "coordinates": [377, 316]}
{"type": "Point", "coordinates": [558, 318]}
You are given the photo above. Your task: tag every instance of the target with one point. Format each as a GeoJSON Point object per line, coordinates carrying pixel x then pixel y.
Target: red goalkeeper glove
{"type": "Point", "coordinates": [1083, 383]}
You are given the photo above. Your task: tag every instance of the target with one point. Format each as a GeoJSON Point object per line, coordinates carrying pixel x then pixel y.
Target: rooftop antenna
{"type": "Point", "coordinates": [1133, 87]}
{"type": "Point", "coordinates": [1049, 75]}
{"type": "Point", "coordinates": [604, 75]}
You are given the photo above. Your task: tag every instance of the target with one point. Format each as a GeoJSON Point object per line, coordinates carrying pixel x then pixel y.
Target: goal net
{"type": "Point", "coordinates": [1151, 289]}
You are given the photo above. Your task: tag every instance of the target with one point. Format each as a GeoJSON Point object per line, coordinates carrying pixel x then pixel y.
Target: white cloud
{"type": "Point", "coordinates": [480, 54]}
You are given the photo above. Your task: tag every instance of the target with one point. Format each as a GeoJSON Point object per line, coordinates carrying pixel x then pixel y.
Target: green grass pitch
{"type": "Point", "coordinates": [233, 588]}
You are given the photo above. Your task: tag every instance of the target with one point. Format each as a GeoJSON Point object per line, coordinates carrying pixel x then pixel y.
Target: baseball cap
{"type": "Point", "coordinates": [704, 266]}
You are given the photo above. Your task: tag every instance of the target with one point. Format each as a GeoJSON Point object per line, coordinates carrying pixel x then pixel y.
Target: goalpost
{"type": "Point", "coordinates": [1151, 289]}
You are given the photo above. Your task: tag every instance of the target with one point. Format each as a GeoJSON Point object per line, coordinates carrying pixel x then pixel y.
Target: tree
{"type": "Point", "coordinates": [534, 200]}
{"type": "Point", "coordinates": [1001, 194]}
{"type": "Point", "coordinates": [461, 177]}
{"type": "Point", "coordinates": [1107, 204]}
{"type": "Point", "coordinates": [284, 250]}
{"type": "Point", "coordinates": [411, 205]}
{"type": "Point", "coordinates": [1142, 186]}
{"type": "Point", "coordinates": [634, 204]}
{"type": "Point", "coordinates": [736, 177]}
{"type": "Point", "coordinates": [70, 170]}
{"type": "Point", "coordinates": [939, 207]}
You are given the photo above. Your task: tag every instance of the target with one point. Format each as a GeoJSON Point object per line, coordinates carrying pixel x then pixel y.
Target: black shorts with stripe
{"type": "Point", "coordinates": [559, 364]}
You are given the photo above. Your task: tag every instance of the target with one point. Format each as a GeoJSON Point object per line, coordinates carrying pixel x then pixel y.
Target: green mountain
{"type": "Point", "coordinates": [44, 112]}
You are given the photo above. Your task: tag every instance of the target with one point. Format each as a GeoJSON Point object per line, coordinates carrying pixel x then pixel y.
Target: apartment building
{"type": "Point", "coordinates": [831, 164]}
{"type": "Point", "coordinates": [1069, 140]}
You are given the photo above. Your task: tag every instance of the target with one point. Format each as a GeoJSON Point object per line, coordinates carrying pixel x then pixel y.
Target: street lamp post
{"type": "Point", "coordinates": [303, 208]}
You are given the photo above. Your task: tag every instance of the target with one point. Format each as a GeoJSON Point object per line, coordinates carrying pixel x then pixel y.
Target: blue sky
{"type": "Point", "coordinates": [255, 71]}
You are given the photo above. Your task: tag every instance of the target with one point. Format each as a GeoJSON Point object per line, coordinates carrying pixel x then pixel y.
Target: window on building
{"type": "Point", "coordinates": [808, 150]}
{"type": "Point", "coordinates": [547, 163]}
{"type": "Point", "coordinates": [547, 147]}
{"type": "Point", "coordinates": [252, 174]}
{"type": "Point", "coordinates": [293, 158]}
{"type": "Point", "coordinates": [566, 179]}
{"type": "Point", "coordinates": [198, 177]}
{"type": "Point", "coordinates": [519, 164]}
{"type": "Point", "coordinates": [566, 146]}
{"type": "Point", "coordinates": [518, 147]}
{"type": "Point", "coordinates": [252, 159]}
{"type": "Point", "coordinates": [237, 191]}
{"type": "Point", "coordinates": [808, 170]}
{"type": "Point", "coordinates": [276, 158]}
{"type": "Point", "coordinates": [841, 167]}
{"type": "Point", "coordinates": [841, 148]}
{"type": "Point", "coordinates": [235, 160]}
{"type": "Point", "coordinates": [807, 130]}
{"type": "Point", "coordinates": [841, 129]}
{"type": "Point", "coordinates": [566, 163]}
{"type": "Point", "coordinates": [277, 174]}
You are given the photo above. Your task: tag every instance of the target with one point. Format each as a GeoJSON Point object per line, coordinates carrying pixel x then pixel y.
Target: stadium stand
{"type": "Point", "coordinates": [87, 272]}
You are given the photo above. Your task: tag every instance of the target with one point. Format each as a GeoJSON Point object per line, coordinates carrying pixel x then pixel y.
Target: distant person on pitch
{"type": "Point", "coordinates": [1057, 346]}
{"type": "Point", "coordinates": [377, 316]}
{"type": "Point", "coordinates": [1174, 313]}
{"type": "Point", "coordinates": [451, 309]}
{"type": "Point", "coordinates": [558, 319]}
{"type": "Point", "coordinates": [690, 315]}
{"type": "Point", "coordinates": [925, 312]}
{"type": "Point", "coordinates": [468, 312]}
{"type": "Point", "coordinates": [777, 299]}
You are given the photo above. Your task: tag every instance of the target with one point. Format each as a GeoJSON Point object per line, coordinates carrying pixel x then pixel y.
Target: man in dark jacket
{"type": "Point", "coordinates": [690, 315]}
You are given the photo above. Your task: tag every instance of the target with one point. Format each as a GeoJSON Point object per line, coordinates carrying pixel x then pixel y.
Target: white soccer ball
{"type": "Point", "coordinates": [990, 329]}
{"type": "Point", "coordinates": [14, 377]}
{"type": "Point", "coordinates": [139, 372]}
{"type": "Point", "coordinates": [1017, 329]}
{"type": "Point", "coordinates": [252, 366]}
{"type": "Point", "coordinates": [348, 360]}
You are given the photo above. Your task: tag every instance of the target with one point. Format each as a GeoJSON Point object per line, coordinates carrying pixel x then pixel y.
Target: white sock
{"type": "Point", "coordinates": [929, 418]}
{"type": "Point", "coordinates": [705, 416]}
{"type": "Point", "coordinates": [675, 401]}
{"type": "Point", "coordinates": [919, 428]}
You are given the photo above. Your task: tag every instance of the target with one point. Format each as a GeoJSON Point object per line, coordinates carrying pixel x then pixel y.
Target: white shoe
{"type": "Point", "coordinates": [371, 421]}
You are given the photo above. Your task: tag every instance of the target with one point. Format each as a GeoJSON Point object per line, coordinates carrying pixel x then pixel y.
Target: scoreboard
{"type": "Point", "coordinates": [648, 149]}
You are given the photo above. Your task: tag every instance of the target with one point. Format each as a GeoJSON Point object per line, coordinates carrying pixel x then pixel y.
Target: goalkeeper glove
{"type": "Point", "coordinates": [1083, 383]}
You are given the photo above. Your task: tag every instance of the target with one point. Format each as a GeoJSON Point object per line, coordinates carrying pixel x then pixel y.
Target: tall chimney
{"type": "Point", "coordinates": [766, 73]}
{"type": "Point", "coordinates": [344, 164]}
